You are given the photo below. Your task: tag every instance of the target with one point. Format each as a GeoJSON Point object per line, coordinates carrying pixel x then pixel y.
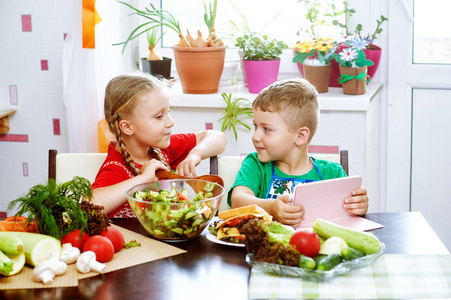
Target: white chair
{"type": "Point", "coordinates": [64, 166]}
{"type": "Point", "coordinates": [228, 166]}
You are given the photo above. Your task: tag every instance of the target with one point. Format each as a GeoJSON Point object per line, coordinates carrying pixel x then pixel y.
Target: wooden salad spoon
{"type": "Point", "coordinates": [170, 175]}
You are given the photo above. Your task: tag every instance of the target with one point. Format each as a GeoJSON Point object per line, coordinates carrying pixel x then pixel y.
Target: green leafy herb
{"type": "Point", "coordinates": [55, 207]}
{"type": "Point", "coordinates": [97, 219]}
{"type": "Point", "coordinates": [132, 244]}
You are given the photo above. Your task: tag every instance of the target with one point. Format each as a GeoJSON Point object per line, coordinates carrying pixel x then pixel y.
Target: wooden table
{"type": "Point", "coordinates": [213, 271]}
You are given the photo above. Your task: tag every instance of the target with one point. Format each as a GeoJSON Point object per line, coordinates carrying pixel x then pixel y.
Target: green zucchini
{"type": "Point", "coordinates": [19, 263]}
{"type": "Point", "coordinates": [356, 239]}
{"type": "Point", "coordinates": [351, 253]}
{"type": "Point", "coordinates": [6, 264]}
{"type": "Point", "coordinates": [328, 262]}
{"type": "Point", "coordinates": [11, 246]}
{"type": "Point", "coordinates": [36, 247]}
{"type": "Point", "coordinates": [306, 262]}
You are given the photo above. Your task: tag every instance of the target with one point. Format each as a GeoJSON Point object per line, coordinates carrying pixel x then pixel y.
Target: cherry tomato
{"type": "Point", "coordinates": [306, 242]}
{"type": "Point", "coordinates": [101, 246]}
{"type": "Point", "coordinates": [115, 236]}
{"type": "Point", "coordinates": [74, 238]}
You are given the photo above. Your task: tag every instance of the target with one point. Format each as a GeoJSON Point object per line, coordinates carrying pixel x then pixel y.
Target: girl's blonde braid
{"type": "Point", "coordinates": [156, 153]}
{"type": "Point", "coordinates": [128, 159]}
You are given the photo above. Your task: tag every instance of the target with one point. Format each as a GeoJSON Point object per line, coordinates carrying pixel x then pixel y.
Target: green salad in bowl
{"type": "Point", "coordinates": [177, 209]}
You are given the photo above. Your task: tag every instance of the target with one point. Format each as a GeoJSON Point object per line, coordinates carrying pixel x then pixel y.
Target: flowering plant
{"type": "Point", "coordinates": [318, 51]}
{"type": "Point", "coordinates": [353, 55]}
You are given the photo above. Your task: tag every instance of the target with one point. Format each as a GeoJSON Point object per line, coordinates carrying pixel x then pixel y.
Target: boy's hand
{"type": "Point", "coordinates": [286, 213]}
{"type": "Point", "coordinates": [358, 203]}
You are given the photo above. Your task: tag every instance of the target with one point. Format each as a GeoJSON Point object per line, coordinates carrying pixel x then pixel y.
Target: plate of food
{"type": "Point", "coordinates": [326, 251]}
{"type": "Point", "coordinates": [212, 238]}
{"type": "Point", "coordinates": [226, 230]}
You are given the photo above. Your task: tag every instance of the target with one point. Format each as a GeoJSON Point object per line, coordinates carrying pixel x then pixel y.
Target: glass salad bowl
{"type": "Point", "coordinates": [176, 209]}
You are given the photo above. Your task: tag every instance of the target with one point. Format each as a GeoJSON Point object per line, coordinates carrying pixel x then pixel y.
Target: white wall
{"type": "Point", "coordinates": [40, 121]}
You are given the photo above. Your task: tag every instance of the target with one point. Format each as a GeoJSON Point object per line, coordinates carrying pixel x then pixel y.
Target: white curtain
{"type": "Point", "coordinates": [85, 75]}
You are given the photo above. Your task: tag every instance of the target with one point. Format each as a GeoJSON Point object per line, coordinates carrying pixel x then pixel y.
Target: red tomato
{"type": "Point", "coordinates": [74, 238]}
{"type": "Point", "coordinates": [101, 246]}
{"type": "Point", "coordinates": [115, 236]}
{"type": "Point", "coordinates": [306, 242]}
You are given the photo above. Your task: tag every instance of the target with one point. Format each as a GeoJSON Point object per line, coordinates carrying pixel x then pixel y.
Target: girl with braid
{"type": "Point", "coordinates": [137, 112]}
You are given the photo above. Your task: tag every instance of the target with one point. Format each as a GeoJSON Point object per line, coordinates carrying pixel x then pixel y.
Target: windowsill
{"type": "Point", "coordinates": [334, 100]}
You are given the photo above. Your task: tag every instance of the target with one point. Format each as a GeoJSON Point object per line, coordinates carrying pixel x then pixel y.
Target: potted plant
{"type": "Point", "coordinates": [261, 60]}
{"type": "Point", "coordinates": [315, 56]}
{"type": "Point", "coordinates": [236, 108]}
{"type": "Point", "coordinates": [154, 63]}
{"type": "Point", "coordinates": [318, 20]}
{"type": "Point", "coordinates": [239, 28]}
{"type": "Point", "coordinates": [372, 51]}
{"type": "Point", "coordinates": [199, 62]}
{"type": "Point", "coordinates": [353, 66]}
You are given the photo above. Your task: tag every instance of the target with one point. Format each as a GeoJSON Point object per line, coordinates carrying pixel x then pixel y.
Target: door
{"type": "Point", "coordinates": [419, 101]}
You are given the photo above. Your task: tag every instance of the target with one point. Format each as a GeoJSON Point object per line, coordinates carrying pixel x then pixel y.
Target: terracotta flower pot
{"type": "Point", "coordinates": [199, 68]}
{"type": "Point", "coordinates": [353, 86]}
{"type": "Point", "coordinates": [260, 73]}
{"type": "Point", "coordinates": [157, 67]}
{"type": "Point", "coordinates": [334, 72]}
{"type": "Point", "coordinates": [318, 76]}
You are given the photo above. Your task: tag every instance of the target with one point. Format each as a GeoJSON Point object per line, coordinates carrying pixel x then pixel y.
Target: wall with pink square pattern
{"type": "Point", "coordinates": [31, 38]}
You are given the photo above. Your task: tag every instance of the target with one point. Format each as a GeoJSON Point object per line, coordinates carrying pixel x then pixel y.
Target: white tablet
{"type": "Point", "coordinates": [324, 199]}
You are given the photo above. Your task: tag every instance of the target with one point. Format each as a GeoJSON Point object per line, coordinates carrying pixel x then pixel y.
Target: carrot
{"type": "Point", "coordinates": [17, 223]}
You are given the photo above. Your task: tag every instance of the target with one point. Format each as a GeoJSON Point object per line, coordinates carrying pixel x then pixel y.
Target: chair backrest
{"type": "Point", "coordinates": [228, 166]}
{"type": "Point", "coordinates": [64, 166]}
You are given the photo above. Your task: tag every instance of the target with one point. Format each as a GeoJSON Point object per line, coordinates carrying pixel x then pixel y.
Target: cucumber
{"type": "Point", "coordinates": [36, 247]}
{"type": "Point", "coordinates": [6, 264]}
{"type": "Point", "coordinates": [351, 253]}
{"type": "Point", "coordinates": [11, 246]}
{"type": "Point", "coordinates": [333, 244]}
{"type": "Point", "coordinates": [19, 263]}
{"type": "Point", "coordinates": [328, 262]}
{"type": "Point", "coordinates": [359, 240]}
{"type": "Point", "coordinates": [306, 262]}
{"type": "Point", "coordinates": [209, 186]}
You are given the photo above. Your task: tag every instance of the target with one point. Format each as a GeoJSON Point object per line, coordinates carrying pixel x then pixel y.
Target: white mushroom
{"type": "Point", "coordinates": [47, 270]}
{"type": "Point", "coordinates": [87, 262]}
{"type": "Point", "coordinates": [69, 254]}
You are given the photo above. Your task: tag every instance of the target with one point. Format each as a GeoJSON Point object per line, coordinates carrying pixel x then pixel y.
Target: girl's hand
{"type": "Point", "coordinates": [148, 169]}
{"type": "Point", "coordinates": [284, 212]}
{"type": "Point", "coordinates": [358, 203]}
{"type": "Point", "coordinates": [188, 166]}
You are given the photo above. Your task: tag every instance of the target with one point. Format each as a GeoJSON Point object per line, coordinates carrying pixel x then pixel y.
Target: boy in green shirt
{"type": "Point", "coordinates": [286, 116]}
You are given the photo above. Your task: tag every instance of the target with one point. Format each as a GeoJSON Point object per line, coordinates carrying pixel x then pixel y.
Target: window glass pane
{"type": "Point", "coordinates": [432, 33]}
{"type": "Point", "coordinates": [279, 19]}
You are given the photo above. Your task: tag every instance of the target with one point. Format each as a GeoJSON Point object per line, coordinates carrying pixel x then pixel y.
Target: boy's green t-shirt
{"type": "Point", "coordinates": [257, 176]}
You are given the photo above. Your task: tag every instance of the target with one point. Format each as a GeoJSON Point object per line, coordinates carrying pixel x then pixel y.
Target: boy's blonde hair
{"type": "Point", "coordinates": [121, 98]}
{"type": "Point", "coordinates": [295, 99]}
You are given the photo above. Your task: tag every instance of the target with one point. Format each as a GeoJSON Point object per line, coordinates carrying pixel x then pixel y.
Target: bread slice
{"type": "Point", "coordinates": [250, 209]}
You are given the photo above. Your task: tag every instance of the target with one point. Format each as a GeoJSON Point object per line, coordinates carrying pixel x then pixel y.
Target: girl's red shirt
{"type": "Point", "coordinates": [115, 170]}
